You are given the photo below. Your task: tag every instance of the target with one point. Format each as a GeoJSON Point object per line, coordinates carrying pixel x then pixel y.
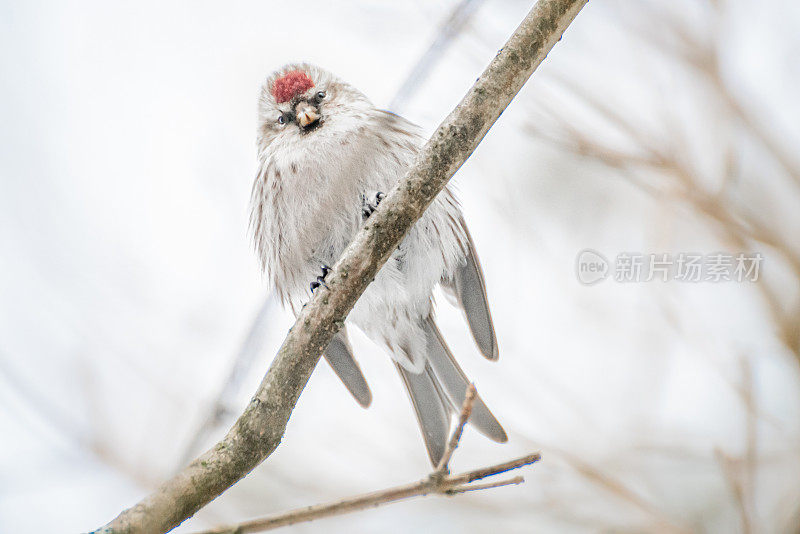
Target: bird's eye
{"type": "Point", "coordinates": [281, 120]}
{"type": "Point", "coordinates": [321, 95]}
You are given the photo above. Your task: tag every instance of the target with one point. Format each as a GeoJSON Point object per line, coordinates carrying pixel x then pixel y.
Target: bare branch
{"type": "Point", "coordinates": [487, 485]}
{"type": "Point", "coordinates": [622, 491]}
{"type": "Point", "coordinates": [449, 485]}
{"type": "Point", "coordinates": [438, 482]}
{"type": "Point", "coordinates": [455, 438]}
{"type": "Point", "coordinates": [732, 477]}
{"type": "Point", "coordinates": [259, 430]}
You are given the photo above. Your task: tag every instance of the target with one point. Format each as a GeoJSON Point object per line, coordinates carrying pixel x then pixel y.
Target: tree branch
{"type": "Point", "coordinates": [450, 485]}
{"type": "Point", "coordinates": [438, 482]}
{"type": "Point", "coordinates": [455, 438]}
{"type": "Point", "coordinates": [259, 429]}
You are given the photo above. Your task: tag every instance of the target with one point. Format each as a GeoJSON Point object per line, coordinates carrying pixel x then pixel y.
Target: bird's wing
{"type": "Point", "coordinates": [340, 356]}
{"type": "Point", "coordinates": [431, 407]}
{"type": "Point", "coordinates": [469, 290]}
{"type": "Point", "coordinates": [454, 383]}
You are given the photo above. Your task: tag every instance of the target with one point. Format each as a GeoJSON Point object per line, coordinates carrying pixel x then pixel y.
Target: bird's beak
{"type": "Point", "coordinates": [306, 114]}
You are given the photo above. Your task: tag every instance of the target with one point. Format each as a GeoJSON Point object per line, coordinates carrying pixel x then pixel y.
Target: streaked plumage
{"type": "Point", "coordinates": [323, 149]}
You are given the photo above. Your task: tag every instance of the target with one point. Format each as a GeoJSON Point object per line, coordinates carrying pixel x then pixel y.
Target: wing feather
{"type": "Point", "coordinates": [469, 289]}
{"type": "Point", "coordinates": [339, 355]}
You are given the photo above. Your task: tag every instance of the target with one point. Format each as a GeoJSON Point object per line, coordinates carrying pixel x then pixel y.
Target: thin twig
{"type": "Point", "coordinates": [487, 485]}
{"type": "Point", "coordinates": [438, 482]}
{"type": "Point", "coordinates": [731, 473]}
{"type": "Point", "coordinates": [260, 428]}
{"type": "Point", "coordinates": [449, 485]}
{"type": "Point", "coordinates": [618, 488]}
{"type": "Point", "coordinates": [455, 438]}
{"type": "Point", "coordinates": [751, 458]}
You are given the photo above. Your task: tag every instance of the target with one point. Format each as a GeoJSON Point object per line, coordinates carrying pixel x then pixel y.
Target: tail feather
{"type": "Point", "coordinates": [438, 392]}
{"type": "Point", "coordinates": [340, 356]}
{"type": "Point", "coordinates": [431, 407]}
{"type": "Point", "coordinates": [454, 383]}
{"type": "Point", "coordinates": [469, 289]}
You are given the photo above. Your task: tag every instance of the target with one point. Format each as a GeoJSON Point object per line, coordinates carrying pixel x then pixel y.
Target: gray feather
{"type": "Point", "coordinates": [340, 356]}
{"type": "Point", "coordinates": [454, 383]}
{"type": "Point", "coordinates": [432, 409]}
{"type": "Point", "coordinates": [469, 289]}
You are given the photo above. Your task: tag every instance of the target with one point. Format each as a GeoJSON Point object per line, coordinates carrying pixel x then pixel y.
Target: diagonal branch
{"type": "Point", "coordinates": [258, 431]}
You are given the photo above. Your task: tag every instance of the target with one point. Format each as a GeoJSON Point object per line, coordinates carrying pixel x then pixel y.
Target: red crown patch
{"type": "Point", "coordinates": [291, 84]}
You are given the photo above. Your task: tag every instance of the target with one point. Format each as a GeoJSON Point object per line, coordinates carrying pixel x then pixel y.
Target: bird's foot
{"type": "Point", "coordinates": [320, 281]}
{"type": "Point", "coordinates": [369, 203]}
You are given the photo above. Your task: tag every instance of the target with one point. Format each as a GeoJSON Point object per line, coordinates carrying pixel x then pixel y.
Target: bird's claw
{"type": "Point", "coordinates": [320, 281]}
{"type": "Point", "coordinates": [370, 203]}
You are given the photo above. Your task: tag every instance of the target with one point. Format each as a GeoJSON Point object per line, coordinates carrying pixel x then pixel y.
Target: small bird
{"type": "Point", "coordinates": [326, 158]}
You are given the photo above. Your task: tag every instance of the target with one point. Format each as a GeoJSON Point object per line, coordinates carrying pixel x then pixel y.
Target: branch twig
{"type": "Point", "coordinates": [259, 429]}
{"type": "Point", "coordinates": [438, 482]}
{"type": "Point", "coordinates": [455, 438]}
{"type": "Point", "coordinates": [450, 485]}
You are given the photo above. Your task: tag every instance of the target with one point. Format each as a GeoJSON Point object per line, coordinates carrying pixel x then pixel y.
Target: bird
{"type": "Point", "coordinates": [326, 158]}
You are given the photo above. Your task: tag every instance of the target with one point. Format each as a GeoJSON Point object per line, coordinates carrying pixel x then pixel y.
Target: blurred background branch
{"type": "Point", "coordinates": [669, 167]}
{"type": "Point", "coordinates": [126, 271]}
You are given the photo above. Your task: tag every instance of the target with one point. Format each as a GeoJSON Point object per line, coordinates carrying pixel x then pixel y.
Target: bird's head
{"type": "Point", "coordinates": [299, 100]}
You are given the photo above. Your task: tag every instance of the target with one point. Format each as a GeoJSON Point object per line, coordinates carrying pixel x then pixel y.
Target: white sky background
{"type": "Point", "coordinates": [127, 282]}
